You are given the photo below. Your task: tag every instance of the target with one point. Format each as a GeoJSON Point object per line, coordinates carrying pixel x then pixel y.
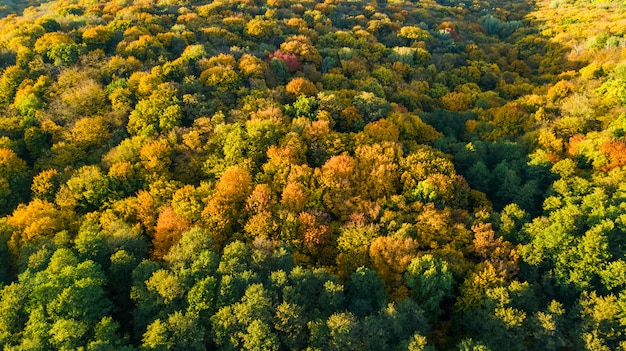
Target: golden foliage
{"type": "Point", "coordinates": [167, 232]}
{"type": "Point", "coordinates": [301, 86]}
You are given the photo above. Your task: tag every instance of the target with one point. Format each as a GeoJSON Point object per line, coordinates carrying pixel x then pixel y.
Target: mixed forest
{"type": "Point", "coordinates": [313, 175]}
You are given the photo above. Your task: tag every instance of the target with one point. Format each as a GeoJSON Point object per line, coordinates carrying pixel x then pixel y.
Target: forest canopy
{"type": "Point", "coordinates": [312, 175]}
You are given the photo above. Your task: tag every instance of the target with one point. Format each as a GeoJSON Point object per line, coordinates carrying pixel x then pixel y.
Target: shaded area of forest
{"type": "Point", "coordinates": [337, 175]}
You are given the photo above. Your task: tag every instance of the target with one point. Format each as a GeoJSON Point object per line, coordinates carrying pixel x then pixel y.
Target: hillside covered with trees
{"type": "Point", "coordinates": [313, 175]}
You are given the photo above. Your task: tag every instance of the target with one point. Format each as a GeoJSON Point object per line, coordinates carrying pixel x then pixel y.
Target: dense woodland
{"type": "Point", "coordinates": [306, 175]}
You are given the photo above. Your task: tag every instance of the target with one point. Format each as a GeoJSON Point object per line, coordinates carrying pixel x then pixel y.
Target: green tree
{"type": "Point", "coordinates": [9, 82]}
{"type": "Point", "coordinates": [431, 281]}
{"type": "Point", "coordinates": [14, 180]}
{"type": "Point", "coordinates": [66, 299]}
{"type": "Point", "coordinates": [343, 332]}
{"type": "Point", "coordinates": [13, 315]}
{"type": "Point", "coordinates": [87, 189]}
{"type": "Point", "coordinates": [159, 113]}
{"type": "Point", "coordinates": [371, 107]}
{"type": "Point", "coordinates": [259, 337]}
{"type": "Point", "coordinates": [179, 332]}
{"type": "Point", "coordinates": [366, 292]}
{"type": "Point", "coordinates": [291, 325]}
{"type": "Point", "coordinates": [246, 323]}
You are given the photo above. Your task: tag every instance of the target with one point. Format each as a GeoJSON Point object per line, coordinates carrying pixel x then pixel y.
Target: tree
{"type": "Point", "coordinates": [58, 47]}
{"type": "Point", "coordinates": [342, 329]}
{"type": "Point", "coordinates": [390, 257]}
{"type": "Point", "coordinates": [251, 66]}
{"type": "Point", "coordinates": [13, 315]}
{"type": "Point", "coordinates": [600, 327]}
{"type": "Point", "coordinates": [471, 345]}
{"type": "Point", "coordinates": [503, 316]}
{"type": "Point", "coordinates": [414, 33]}
{"type": "Point", "coordinates": [156, 159]}
{"type": "Point", "coordinates": [227, 202]}
{"type": "Point", "coordinates": [290, 60]}
{"type": "Point", "coordinates": [419, 343]}
{"type": "Point", "coordinates": [501, 254]}
{"type": "Point", "coordinates": [9, 82]}
{"type": "Point", "coordinates": [353, 243]}
{"type": "Point", "coordinates": [382, 130]}
{"type": "Point", "coordinates": [246, 323]}
{"type": "Point", "coordinates": [414, 128]}
{"type": "Point", "coordinates": [377, 170]}
{"type": "Point", "coordinates": [278, 72]}
{"type": "Point", "coordinates": [38, 219]}
{"type": "Point", "coordinates": [97, 37]}
{"type": "Point", "coordinates": [159, 113]}
{"type": "Point", "coordinates": [371, 107]}
{"type": "Point", "coordinates": [90, 133]}
{"type": "Point", "coordinates": [222, 78]}
{"type": "Point", "coordinates": [366, 292]}
{"type": "Point", "coordinates": [615, 152]}
{"type": "Point", "coordinates": [510, 120]}
{"type": "Point", "coordinates": [431, 281]}
{"type": "Point", "coordinates": [259, 337]}
{"type": "Point", "coordinates": [192, 244]}
{"type": "Point", "coordinates": [77, 95]}
{"type": "Point", "coordinates": [301, 46]}
{"type": "Point", "coordinates": [13, 180]}
{"type": "Point", "coordinates": [178, 332]}
{"type": "Point", "coordinates": [294, 197]}
{"type": "Point", "coordinates": [301, 86]}
{"type": "Point", "coordinates": [291, 325]}
{"type": "Point", "coordinates": [29, 98]}
{"type": "Point", "coordinates": [261, 29]}
{"type": "Point", "coordinates": [67, 298]}
{"type": "Point", "coordinates": [88, 189]}
{"type": "Point", "coordinates": [338, 177]}
{"type": "Point", "coordinates": [167, 232]}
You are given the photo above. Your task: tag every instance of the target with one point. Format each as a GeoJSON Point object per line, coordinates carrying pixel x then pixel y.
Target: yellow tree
{"type": "Point", "coordinates": [499, 253]}
{"type": "Point", "coordinates": [259, 205]}
{"type": "Point", "coordinates": [156, 159]}
{"type": "Point", "coordinates": [294, 197]}
{"type": "Point", "coordinates": [390, 257]}
{"type": "Point", "coordinates": [97, 36]}
{"type": "Point", "coordinates": [301, 46]}
{"type": "Point", "coordinates": [38, 219]}
{"type": "Point", "coordinates": [261, 29]}
{"type": "Point", "coordinates": [337, 177]}
{"type": "Point", "coordinates": [225, 207]}
{"type": "Point", "coordinates": [377, 170]}
{"type": "Point", "coordinates": [382, 130]}
{"type": "Point", "coordinates": [89, 133]}
{"type": "Point", "coordinates": [301, 86]}
{"type": "Point", "coordinates": [45, 184]}
{"type": "Point", "coordinates": [250, 65]}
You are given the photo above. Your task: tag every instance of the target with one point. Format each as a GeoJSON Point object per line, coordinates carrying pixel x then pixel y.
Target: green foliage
{"type": "Point", "coordinates": [9, 82]}
{"type": "Point", "coordinates": [67, 300]}
{"type": "Point", "coordinates": [371, 107]}
{"type": "Point", "coordinates": [87, 189]}
{"type": "Point", "coordinates": [159, 113]}
{"type": "Point", "coordinates": [366, 292]}
{"type": "Point", "coordinates": [303, 107]}
{"type": "Point", "coordinates": [13, 180]}
{"type": "Point", "coordinates": [494, 26]}
{"type": "Point", "coordinates": [431, 282]}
